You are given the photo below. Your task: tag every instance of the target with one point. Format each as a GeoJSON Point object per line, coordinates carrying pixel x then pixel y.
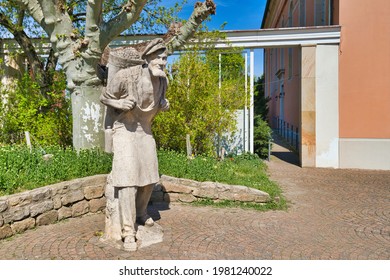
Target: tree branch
{"type": "Point", "coordinates": [129, 14]}
{"type": "Point", "coordinates": [24, 42]}
{"type": "Point", "coordinates": [187, 31]}
{"type": "Point", "coordinates": [35, 10]}
{"type": "Point", "coordinates": [49, 11]}
{"type": "Point", "coordinates": [94, 16]}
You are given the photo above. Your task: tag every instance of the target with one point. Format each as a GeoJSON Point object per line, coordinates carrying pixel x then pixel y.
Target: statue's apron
{"type": "Point", "coordinates": [135, 158]}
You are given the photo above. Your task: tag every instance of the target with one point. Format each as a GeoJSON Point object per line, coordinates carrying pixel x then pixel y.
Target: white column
{"type": "Point", "coordinates": [251, 104]}
{"type": "Point", "coordinates": [327, 106]}
{"type": "Point", "coordinates": [246, 123]}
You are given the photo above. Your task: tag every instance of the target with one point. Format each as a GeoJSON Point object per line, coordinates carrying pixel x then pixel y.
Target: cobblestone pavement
{"type": "Point", "coordinates": [333, 214]}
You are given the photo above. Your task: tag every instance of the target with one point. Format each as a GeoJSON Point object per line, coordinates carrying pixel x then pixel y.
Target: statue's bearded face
{"type": "Point", "coordinates": [157, 62]}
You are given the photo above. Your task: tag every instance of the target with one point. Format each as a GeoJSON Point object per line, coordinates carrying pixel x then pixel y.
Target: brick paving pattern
{"type": "Point", "coordinates": [333, 214]}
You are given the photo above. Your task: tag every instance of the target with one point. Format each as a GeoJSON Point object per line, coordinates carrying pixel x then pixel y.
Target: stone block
{"type": "Point", "coordinates": [1, 221]}
{"type": "Point", "coordinates": [80, 208]}
{"type": "Point", "coordinates": [96, 205]}
{"type": "Point", "coordinates": [64, 212]}
{"type": "Point", "coordinates": [22, 226]}
{"type": "Point", "coordinates": [91, 192]}
{"type": "Point", "coordinates": [19, 199]}
{"type": "Point", "coordinates": [5, 231]}
{"type": "Point", "coordinates": [171, 197]}
{"type": "Point", "coordinates": [260, 196]}
{"type": "Point", "coordinates": [188, 182]}
{"type": "Point", "coordinates": [72, 197]}
{"type": "Point", "coordinates": [57, 202]}
{"type": "Point", "coordinates": [96, 180]}
{"type": "Point", "coordinates": [206, 190]}
{"type": "Point", "coordinates": [15, 214]}
{"type": "Point", "coordinates": [186, 197]}
{"type": "Point", "coordinates": [60, 188]}
{"type": "Point", "coordinates": [41, 194]}
{"type": "Point", "coordinates": [3, 205]}
{"type": "Point", "coordinates": [41, 207]}
{"type": "Point", "coordinates": [169, 186]}
{"type": "Point", "coordinates": [47, 218]}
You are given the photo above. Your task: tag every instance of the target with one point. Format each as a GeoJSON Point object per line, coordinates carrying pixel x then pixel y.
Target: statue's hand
{"type": "Point", "coordinates": [164, 104]}
{"type": "Point", "coordinates": [126, 104]}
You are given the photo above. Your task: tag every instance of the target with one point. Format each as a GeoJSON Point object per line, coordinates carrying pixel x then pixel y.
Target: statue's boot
{"type": "Point", "coordinates": [129, 243]}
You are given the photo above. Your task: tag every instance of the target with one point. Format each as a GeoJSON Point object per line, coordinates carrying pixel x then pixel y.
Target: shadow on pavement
{"type": "Point", "coordinates": [282, 150]}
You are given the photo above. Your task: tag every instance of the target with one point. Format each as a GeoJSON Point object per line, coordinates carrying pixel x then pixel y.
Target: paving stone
{"type": "Point", "coordinates": [332, 214]}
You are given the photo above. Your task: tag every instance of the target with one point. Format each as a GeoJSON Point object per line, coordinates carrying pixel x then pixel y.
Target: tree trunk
{"type": "Point", "coordinates": [88, 115]}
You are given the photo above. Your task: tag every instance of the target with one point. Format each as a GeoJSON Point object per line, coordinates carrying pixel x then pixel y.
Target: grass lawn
{"type": "Point", "coordinates": [22, 170]}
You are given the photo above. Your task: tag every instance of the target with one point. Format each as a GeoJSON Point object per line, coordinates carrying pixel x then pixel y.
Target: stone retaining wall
{"type": "Point", "coordinates": [184, 190]}
{"type": "Point", "coordinates": [47, 205]}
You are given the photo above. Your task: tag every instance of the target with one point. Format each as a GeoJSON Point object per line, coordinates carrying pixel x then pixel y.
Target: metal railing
{"type": "Point", "coordinates": [289, 132]}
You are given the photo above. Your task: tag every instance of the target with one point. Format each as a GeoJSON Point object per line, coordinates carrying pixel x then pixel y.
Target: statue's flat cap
{"type": "Point", "coordinates": [153, 46]}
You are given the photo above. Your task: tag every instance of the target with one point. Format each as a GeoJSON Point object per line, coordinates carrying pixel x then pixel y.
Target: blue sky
{"type": "Point", "coordinates": [238, 15]}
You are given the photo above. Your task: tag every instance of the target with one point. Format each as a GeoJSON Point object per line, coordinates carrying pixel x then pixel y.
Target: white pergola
{"type": "Point", "coordinates": [319, 49]}
{"type": "Point", "coordinates": [250, 40]}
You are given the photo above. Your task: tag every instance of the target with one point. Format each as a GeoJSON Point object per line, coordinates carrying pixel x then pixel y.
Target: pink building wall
{"type": "Point", "coordinates": [364, 71]}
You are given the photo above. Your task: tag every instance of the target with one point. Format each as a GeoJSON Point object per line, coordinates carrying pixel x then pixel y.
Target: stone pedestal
{"type": "Point", "coordinates": [147, 236]}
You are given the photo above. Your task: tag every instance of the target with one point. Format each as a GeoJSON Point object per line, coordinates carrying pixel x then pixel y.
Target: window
{"type": "Point", "coordinates": [320, 12]}
{"type": "Point", "coordinates": [290, 63]}
{"type": "Point", "coordinates": [290, 14]}
{"type": "Point", "coordinates": [302, 12]}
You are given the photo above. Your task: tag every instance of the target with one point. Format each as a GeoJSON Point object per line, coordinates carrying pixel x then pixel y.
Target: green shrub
{"type": "Point", "coordinates": [46, 116]}
{"type": "Point", "coordinates": [198, 106]}
{"type": "Point", "coordinates": [262, 135]}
